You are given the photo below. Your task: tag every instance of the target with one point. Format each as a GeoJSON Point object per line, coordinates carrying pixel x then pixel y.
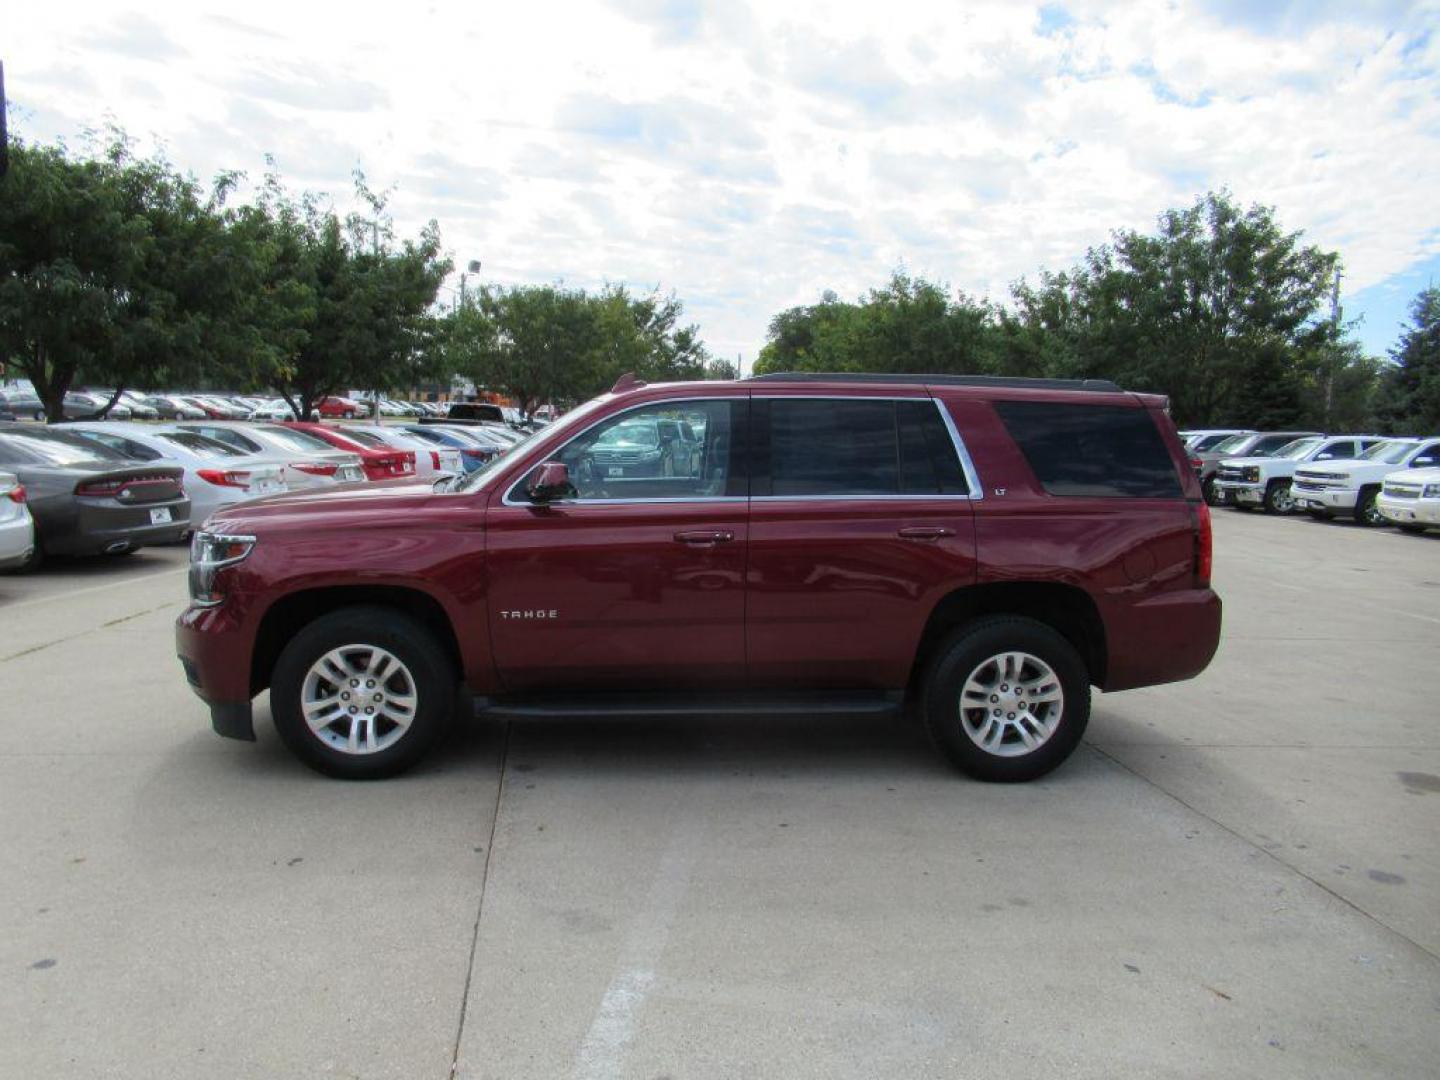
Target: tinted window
{"type": "Point", "coordinates": [928, 462]}
{"type": "Point", "coordinates": [1095, 450]}
{"type": "Point", "coordinates": [54, 451]}
{"type": "Point", "coordinates": [199, 445]}
{"type": "Point", "coordinates": [291, 439]}
{"type": "Point", "coordinates": [129, 447]}
{"type": "Point", "coordinates": [1268, 444]}
{"type": "Point", "coordinates": [830, 447]}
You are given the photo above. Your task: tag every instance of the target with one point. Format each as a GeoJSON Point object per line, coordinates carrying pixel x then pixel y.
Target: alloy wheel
{"type": "Point", "coordinates": [358, 699]}
{"type": "Point", "coordinates": [1011, 704]}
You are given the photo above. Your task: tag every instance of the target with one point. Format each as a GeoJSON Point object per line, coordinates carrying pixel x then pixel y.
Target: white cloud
{"type": "Point", "coordinates": [750, 157]}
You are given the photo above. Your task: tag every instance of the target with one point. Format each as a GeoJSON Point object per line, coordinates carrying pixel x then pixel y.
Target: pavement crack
{"type": "Point", "coordinates": [1268, 853]}
{"type": "Point", "coordinates": [480, 904]}
{"type": "Point", "coordinates": [85, 633]}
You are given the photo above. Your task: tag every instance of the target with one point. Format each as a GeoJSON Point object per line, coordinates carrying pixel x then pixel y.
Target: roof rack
{"type": "Point", "coordinates": [1097, 386]}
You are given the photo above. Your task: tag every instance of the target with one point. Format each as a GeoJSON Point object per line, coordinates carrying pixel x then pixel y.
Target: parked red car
{"type": "Point", "coordinates": [379, 460]}
{"type": "Point", "coordinates": [983, 549]}
{"type": "Point", "coordinates": [340, 408]}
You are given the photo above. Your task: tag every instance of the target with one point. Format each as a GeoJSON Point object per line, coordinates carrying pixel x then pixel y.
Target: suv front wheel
{"type": "Point", "coordinates": [362, 693]}
{"type": "Point", "coordinates": [1006, 698]}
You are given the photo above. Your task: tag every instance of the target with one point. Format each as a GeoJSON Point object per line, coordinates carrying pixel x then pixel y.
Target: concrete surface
{"type": "Point", "coordinates": [1236, 876]}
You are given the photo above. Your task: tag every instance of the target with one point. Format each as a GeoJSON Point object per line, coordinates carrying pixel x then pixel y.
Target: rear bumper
{"type": "Point", "coordinates": [213, 647]}
{"type": "Point", "coordinates": [1163, 639]}
{"type": "Point", "coordinates": [17, 541]}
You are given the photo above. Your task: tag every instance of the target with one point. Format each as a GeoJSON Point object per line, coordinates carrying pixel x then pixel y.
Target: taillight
{"type": "Point", "coordinates": [315, 468]}
{"type": "Point", "coordinates": [476, 452]}
{"type": "Point", "coordinates": [16, 493]}
{"type": "Point", "coordinates": [435, 460]}
{"type": "Point", "coordinates": [1204, 546]}
{"type": "Point", "coordinates": [224, 477]}
{"type": "Point", "coordinates": [99, 488]}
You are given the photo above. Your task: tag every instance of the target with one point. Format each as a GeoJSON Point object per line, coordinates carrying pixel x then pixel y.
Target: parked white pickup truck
{"type": "Point", "coordinates": [1411, 499]}
{"type": "Point", "coordinates": [1249, 482]}
{"type": "Point", "coordinates": [1350, 488]}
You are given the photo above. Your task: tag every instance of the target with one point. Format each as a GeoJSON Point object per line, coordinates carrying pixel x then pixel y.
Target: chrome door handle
{"type": "Point", "coordinates": [705, 537]}
{"type": "Point", "coordinates": [925, 532]}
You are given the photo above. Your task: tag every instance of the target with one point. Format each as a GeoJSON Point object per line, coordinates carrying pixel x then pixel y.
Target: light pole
{"type": "Point", "coordinates": [473, 267]}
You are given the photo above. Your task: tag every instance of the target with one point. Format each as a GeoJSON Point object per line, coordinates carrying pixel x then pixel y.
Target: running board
{"type": "Point", "coordinates": [697, 703]}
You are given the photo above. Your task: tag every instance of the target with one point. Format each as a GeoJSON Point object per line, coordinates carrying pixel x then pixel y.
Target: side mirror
{"type": "Point", "coordinates": [549, 482]}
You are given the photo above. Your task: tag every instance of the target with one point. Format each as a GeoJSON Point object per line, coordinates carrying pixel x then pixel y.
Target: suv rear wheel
{"type": "Point", "coordinates": [1006, 698]}
{"type": "Point", "coordinates": [362, 693]}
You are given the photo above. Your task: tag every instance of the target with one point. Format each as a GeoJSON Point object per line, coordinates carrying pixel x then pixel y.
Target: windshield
{"type": "Point", "coordinates": [295, 440]}
{"type": "Point", "coordinates": [54, 451]}
{"type": "Point", "coordinates": [199, 445]}
{"type": "Point", "coordinates": [1234, 442]}
{"type": "Point", "coordinates": [1391, 453]}
{"type": "Point", "coordinates": [641, 434]}
{"type": "Point", "coordinates": [1297, 449]}
{"type": "Point", "coordinates": [572, 420]}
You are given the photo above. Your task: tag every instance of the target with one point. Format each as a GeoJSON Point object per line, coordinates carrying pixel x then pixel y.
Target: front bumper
{"type": "Point", "coordinates": [1341, 501]}
{"type": "Point", "coordinates": [1409, 511]}
{"type": "Point", "coordinates": [213, 646]}
{"type": "Point", "coordinates": [1241, 493]}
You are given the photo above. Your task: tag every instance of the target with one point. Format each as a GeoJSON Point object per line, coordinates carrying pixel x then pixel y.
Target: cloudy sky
{"type": "Point", "coordinates": [750, 157]}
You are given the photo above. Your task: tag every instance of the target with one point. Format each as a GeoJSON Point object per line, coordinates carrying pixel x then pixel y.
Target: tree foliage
{"type": "Point", "coordinates": [1219, 308]}
{"type": "Point", "coordinates": [1410, 396]}
{"type": "Point", "coordinates": [549, 343]}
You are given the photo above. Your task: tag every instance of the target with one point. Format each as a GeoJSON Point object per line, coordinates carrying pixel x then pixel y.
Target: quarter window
{"type": "Point", "coordinates": [1092, 450]}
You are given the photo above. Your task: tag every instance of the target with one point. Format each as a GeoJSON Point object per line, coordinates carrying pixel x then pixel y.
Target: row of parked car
{"type": "Point", "coordinates": [114, 486]}
{"type": "Point", "coordinates": [1373, 479]}
{"type": "Point", "coordinates": [21, 403]}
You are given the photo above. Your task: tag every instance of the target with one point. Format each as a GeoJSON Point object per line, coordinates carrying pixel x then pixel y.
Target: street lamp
{"type": "Point", "coordinates": [472, 268]}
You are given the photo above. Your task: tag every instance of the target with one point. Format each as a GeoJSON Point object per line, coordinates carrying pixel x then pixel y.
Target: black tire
{"type": "Point", "coordinates": [966, 653]}
{"type": "Point", "coordinates": [1278, 499]}
{"type": "Point", "coordinates": [1210, 491]}
{"type": "Point", "coordinates": [410, 642]}
{"type": "Point", "coordinates": [1413, 530]}
{"type": "Point", "coordinates": [1366, 512]}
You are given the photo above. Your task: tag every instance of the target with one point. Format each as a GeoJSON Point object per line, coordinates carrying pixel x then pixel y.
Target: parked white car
{"type": "Point", "coordinates": [430, 460]}
{"type": "Point", "coordinates": [17, 528]}
{"type": "Point", "coordinates": [1411, 499]}
{"type": "Point", "coordinates": [275, 409]}
{"type": "Point", "coordinates": [1351, 488]}
{"type": "Point", "coordinates": [309, 462]}
{"type": "Point", "coordinates": [1252, 482]}
{"type": "Point", "coordinates": [216, 475]}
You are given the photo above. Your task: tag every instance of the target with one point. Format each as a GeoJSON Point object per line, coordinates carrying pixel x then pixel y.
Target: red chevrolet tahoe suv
{"type": "Point", "coordinates": [982, 550]}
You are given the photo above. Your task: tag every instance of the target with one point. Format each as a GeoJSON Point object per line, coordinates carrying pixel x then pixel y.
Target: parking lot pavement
{"type": "Point", "coordinates": [1236, 876]}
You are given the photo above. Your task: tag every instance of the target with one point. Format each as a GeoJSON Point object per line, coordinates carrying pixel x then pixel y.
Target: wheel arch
{"type": "Point", "coordinates": [288, 615]}
{"type": "Point", "coordinates": [1067, 609]}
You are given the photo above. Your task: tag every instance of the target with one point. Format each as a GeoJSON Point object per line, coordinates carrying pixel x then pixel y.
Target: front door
{"type": "Point", "coordinates": [637, 581]}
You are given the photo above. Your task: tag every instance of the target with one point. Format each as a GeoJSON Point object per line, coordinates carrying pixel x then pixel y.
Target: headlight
{"type": "Point", "coordinates": [1432, 491]}
{"type": "Point", "coordinates": [209, 552]}
{"type": "Point", "coordinates": [1252, 474]}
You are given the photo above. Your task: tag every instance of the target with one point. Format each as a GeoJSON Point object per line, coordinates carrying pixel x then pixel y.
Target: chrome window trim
{"type": "Point", "coordinates": [967, 464]}
{"type": "Point", "coordinates": [506, 499]}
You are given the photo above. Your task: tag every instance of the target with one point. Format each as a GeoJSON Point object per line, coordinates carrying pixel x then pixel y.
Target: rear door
{"type": "Point", "coordinates": [860, 521]}
{"type": "Point", "coordinates": [637, 581]}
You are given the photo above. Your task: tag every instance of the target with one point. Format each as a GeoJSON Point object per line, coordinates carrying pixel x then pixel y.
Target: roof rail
{"type": "Point", "coordinates": [1099, 386]}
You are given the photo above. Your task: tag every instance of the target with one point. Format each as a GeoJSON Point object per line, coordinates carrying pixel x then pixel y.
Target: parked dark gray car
{"type": "Point", "coordinates": [87, 500]}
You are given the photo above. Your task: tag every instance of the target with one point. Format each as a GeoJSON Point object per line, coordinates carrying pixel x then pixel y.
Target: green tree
{"type": "Point", "coordinates": [1411, 390]}
{"type": "Point", "coordinates": [114, 269]}
{"type": "Point", "coordinates": [909, 326]}
{"type": "Point", "coordinates": [1218, 309]}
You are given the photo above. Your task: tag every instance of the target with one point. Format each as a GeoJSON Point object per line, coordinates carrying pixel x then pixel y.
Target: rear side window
{"type": "Point", "coordinates": [854, 447]}
{"type": "Point", "coordinates": [1104, 451]}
